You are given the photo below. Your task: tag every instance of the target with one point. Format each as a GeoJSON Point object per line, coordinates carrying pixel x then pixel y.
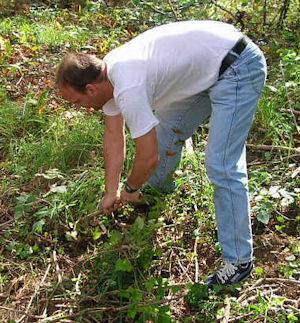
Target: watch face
{"type": "Point", "coordinates": [128, 189]}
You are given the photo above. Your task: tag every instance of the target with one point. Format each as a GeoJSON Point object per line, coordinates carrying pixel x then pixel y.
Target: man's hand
{"type": "Point", "coordinates": [110, 203]}
{"type": "Point", "coordinates": [135, 197]}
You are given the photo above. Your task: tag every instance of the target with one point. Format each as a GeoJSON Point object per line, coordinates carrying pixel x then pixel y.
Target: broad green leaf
{"type": "Point", "coordinates": [38, 226]}
{"type": "Point", "coordinates": [264, 216]}
{"type": "Point", "coordinates": [123, 265]}
{"type": "Point", "coordinates": [97, 234]}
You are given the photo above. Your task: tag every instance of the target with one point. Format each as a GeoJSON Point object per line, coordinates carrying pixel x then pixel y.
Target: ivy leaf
{"type": "Point", "coordinates": [38, 226]}
{"type": "Point", "coordinates": [264, 216]}
{"type": "Point", "coordinates": [19, 211]}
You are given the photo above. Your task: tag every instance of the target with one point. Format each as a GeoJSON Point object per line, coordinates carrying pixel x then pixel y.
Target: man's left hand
{"type": "Point", "coordinates": [135, 197]}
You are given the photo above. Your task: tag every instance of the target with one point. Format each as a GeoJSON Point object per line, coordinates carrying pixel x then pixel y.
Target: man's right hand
{"type": "Point", "coordinates": [110, 203]}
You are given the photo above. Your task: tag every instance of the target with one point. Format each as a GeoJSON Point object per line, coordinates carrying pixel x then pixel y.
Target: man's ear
{"type": "Point", "coordinates": [91, 89]}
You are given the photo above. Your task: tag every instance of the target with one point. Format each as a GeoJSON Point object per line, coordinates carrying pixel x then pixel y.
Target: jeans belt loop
{"type": "Point", "coordinates": [229, 58]}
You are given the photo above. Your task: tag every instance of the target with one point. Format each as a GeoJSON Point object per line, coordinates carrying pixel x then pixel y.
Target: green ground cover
{"type": "Point", "coordinates": [60, 259]}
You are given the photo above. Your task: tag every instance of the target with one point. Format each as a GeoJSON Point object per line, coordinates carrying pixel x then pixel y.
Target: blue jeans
{"type": "Point", "coordinates": [231, 104]}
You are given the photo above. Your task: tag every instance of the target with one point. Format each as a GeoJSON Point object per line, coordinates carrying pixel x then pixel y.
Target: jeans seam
{"type": "Point", "coordinates": [170, 143]}
{"type": "Point", "coordinates": [226, 170]}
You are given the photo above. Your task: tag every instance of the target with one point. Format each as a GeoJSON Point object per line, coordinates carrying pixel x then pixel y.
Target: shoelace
{"type": "Point", "coordinates": [224, 273]}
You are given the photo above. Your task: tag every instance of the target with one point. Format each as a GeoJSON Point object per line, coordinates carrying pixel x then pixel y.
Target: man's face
{"type": "Point", "coordinates": [87, 99]}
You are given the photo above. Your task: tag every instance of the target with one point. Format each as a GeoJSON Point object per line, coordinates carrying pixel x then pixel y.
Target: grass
{"type": "Point", "coordinates": [143, 263]}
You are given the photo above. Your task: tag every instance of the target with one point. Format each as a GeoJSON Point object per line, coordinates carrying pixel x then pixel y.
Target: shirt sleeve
{"type": "Point", "coordinates": [136, 109]}
{"type": "Point", "coordinates": [110, 108]}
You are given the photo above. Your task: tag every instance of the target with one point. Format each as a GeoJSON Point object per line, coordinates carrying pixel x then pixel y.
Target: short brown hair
{"type": "Point", "coordinates": [78, 70]}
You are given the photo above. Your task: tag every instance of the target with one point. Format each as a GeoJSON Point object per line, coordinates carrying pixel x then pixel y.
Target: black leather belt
{"type": "Point", "coordinates": [229, 58]}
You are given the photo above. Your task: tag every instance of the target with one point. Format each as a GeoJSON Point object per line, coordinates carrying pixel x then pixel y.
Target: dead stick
{"type": "Point", "coordinates": [227, 310]}
{"type": "Point", "coordinates": [107, 309]}
{"type": "Point", "coordinates": [35, 292]}
{"type": "Point", "coordinates": [295, 151]}
{"type": "Point", "coordinates": [184, 271]}
{"type": "Point", "coordinates": [255, 163]}
{"type": "Point", "coordinates": [244, 295]}
{"type": "Point", "coordinates": [196, 261]}
{"type": "Point", "coordinates": [56, 266]}
{"type": "Point", "coordinates": [20, 312]}
{"type": "Point", "coordinates": [255, 297]}
{"type": "Point", "coordinates": [6, 223]}
{"type": "Point", "coordinates": [237, 318]}
{"type": "Point", "coordinates": [283, 280]}
{"type": "Point", "coordinates": [173, 10]}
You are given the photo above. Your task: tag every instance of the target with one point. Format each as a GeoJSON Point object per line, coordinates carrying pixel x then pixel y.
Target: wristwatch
{"type": "Point", "coordinates": [129, 189]}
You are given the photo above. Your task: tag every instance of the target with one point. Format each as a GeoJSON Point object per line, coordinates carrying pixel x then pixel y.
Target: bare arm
{"type": "Point", "coordinates": [114, 154]}
{"type": "Point", "coordinates": [145, 163]}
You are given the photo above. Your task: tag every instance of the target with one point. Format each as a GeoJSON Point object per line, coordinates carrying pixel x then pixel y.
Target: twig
{"type": "Point", "coordinates": [184, 271]}
{"type": "Point", "coordinates": [170, 264]}
{"type": "Point", "coordinates": [296, 112]}
{"type": "Point", "coordinates": [38, 201]}
{"type": "Point", "coordinates": [283, 280]}
{"type": "Point", "coordinates": [196, 261]}
{"type": "Point", "coordinates": [153, 8]}
{"type": "Point", "coordinates": [253, 298]}
{"type": "Point", "coordinates": [244, 295]}
{"type": "Point", "coordinates": [56, 266]}
{"type": "Point", "coordinates": [20, 80]}
{"type": "Point", "coordinates": [272, 161]}
{"type": "Point", "coordinates": [77, 289]}
{"type": "Point", "coordinates": [6, 223]}
{"type": "Point", "coordinates": [107, 309]}
{"type": "Point", "coordinates": [295, 151]}
{"type": "Point", "coordinates": [226, 10]}
{"type": "Point", "coordinates": [293, 308]}
{"type": "Point", "coordinates": [172, 8]}
{"type": "Point", "coordinates": [35, 293]}
{"type": "Point", "coordinates": [20, 312]}
{"type": "Point", "coordinates": [237, 318]}
{"type": "Point", "coordinates": [227, 310]}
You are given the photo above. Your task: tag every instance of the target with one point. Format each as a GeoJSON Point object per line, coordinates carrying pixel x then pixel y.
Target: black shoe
{"type": "Point", "coordinates": [230, 274]}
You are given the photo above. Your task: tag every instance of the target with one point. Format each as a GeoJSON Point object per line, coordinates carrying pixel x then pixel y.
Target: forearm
{"type": "Point", "coordinates": [146, 160]}
{"type": "Point", "coordinates": [114, 155]}
{"type": "Point", "coordinates": [113, 162]}
{"type": "Point", "coordinates": [141, 171]}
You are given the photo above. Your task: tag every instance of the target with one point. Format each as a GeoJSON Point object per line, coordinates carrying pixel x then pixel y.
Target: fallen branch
{"type": "Point", "coordinates": [255, 163]}
{"type": "Point", "coordinates": [106, 309]}
{"type": "Point", "coordinates": [196, 261]}
{"type": "Point", "coordinates": [56, 266]}
{"type": "Point", "coordinates": [3, 225]}
{"type": "Point", "coordinates": [244, 295]}
{"type": "Point", "coordinates": [227, 303]}
{"type": "Point", "coordinates": [283, 280]}
{"type": "Point", "coordinates": [255, 297]}
{"type": "Point", "coordinates": [35, 293]}
{"type": "Point", "coordinates": [237, 318]}
{"type": "Point", "coordinates": [184, 270]}
{"type": "Point", "coordinates": [295, 151]}
{"type": "Point", "coordinates": [153, 8]}
{"type": "Point", "coordinates": [20, 312]}
{"type": "Point", "coordinates": [173, 10]}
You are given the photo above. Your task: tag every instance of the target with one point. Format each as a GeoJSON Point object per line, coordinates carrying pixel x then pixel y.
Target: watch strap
{"type": "Point", "coordinates": [129, 189]}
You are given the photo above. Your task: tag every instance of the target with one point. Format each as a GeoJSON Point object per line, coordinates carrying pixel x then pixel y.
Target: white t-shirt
{"type": "Point", "coordinates": [165, 65]}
